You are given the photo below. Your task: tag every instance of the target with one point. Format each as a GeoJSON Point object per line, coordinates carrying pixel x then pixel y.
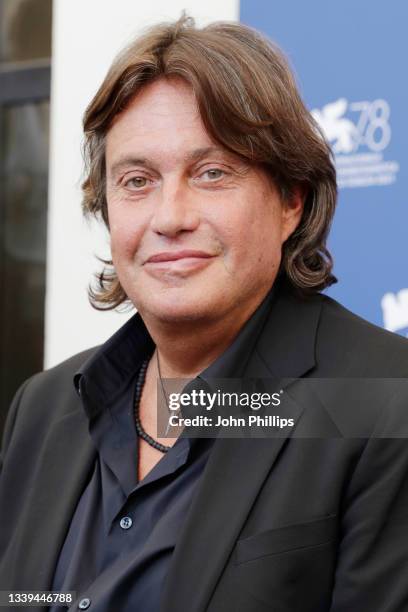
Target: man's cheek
{"type": "Point", "coordinates": [123, 239]}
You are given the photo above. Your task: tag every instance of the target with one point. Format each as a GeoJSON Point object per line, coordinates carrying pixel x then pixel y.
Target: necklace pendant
{"type": "Point", "coordinates": [167, 428]}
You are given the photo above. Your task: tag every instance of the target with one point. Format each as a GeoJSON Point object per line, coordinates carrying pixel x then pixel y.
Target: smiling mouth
{"type": "Point", "coordinates": [181, 264]}
{"type": "Point", "coordinates": [169, 257]}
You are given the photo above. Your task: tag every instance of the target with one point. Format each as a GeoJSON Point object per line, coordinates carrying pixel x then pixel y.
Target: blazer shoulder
{"type": "Point", "coordinates": [45, 397]}
{"type": "Point", "coordinates": [351, 346]}
{"type": "Point", "coordinates": [60, 376]}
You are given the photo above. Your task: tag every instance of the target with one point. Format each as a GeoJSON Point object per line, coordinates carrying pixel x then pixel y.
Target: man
{"type": "Point", "coordinates": [218, 191]}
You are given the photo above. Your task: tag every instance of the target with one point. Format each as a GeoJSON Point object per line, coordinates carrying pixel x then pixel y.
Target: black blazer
{"type": "Point", "coordinates": [283, 524]}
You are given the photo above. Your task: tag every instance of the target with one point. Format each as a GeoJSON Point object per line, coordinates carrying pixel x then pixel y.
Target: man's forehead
{"type": "Point", "coordinates": [161, 126]}
{"type": "Point", "coordinates": [166, 97]}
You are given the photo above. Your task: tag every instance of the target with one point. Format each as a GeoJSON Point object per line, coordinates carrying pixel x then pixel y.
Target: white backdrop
{"type": "Point", "coordinates": [86, 37]}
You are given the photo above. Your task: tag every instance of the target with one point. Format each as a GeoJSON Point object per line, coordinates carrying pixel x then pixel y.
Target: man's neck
{"type": "Point", "coordinates": [187, 349]}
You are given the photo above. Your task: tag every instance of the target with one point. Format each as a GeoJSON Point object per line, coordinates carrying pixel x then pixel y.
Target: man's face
{"type": "Point", "coordinates": [196, 232]}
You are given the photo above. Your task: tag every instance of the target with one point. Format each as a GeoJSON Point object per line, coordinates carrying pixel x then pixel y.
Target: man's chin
{"type": "Point", "coordinates": [176, 312]}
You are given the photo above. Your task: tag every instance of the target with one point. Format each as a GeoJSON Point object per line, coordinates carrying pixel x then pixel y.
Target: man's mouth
{"type": "Point", "coordinates": [177, 255]}
{"type": "Point", "coordinates": [178, 264]}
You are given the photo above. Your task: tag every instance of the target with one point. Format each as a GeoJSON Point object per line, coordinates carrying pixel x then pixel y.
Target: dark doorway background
{"type": "Point", "coordinates": [25, 56]}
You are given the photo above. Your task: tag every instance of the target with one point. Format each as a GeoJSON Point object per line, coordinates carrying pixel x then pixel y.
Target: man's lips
{"type": "Point", "coordinates": [174, 256]}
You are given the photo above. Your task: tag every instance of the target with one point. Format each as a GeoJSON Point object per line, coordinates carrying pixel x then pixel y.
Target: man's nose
{"type": "Point", "coordinates": [174, 209]}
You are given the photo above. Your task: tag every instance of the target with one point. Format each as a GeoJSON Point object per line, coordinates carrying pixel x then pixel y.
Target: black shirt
{"type": "Point", "coordinates": [119, 545]}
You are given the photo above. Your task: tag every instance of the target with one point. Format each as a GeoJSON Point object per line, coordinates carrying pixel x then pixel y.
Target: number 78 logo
{"type": "Point", "coordinates": [370, 128]}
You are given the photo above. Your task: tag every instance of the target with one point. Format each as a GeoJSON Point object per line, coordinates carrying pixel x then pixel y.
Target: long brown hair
{"type": "Point", "coordinates": [250, 104]}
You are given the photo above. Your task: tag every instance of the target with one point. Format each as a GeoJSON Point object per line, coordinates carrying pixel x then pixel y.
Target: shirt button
{"type": "Point", "coordinates": [84, 603]}
{"type": "Point", "coordinates": [126, 522]}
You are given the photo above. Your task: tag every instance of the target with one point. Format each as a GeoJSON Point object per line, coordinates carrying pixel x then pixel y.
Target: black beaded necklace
{"type": "Point", "coordinates": [140, 431]}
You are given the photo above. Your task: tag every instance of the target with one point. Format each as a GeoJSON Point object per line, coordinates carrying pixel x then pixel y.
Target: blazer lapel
{"type": "Point", "coordinates": [237, 468]}
{"type": "Point", "coordinates": [63, 471]}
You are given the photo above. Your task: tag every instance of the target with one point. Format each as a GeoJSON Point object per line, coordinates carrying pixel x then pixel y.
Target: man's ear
{"type": "Point", "coordinates": [292, 210]}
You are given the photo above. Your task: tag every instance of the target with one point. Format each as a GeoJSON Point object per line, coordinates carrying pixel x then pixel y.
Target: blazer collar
{"type": "Point", "coordinates": [287, 345]}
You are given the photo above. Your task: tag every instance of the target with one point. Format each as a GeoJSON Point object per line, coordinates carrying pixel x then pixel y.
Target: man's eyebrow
{"type": "Point", "coordinates": [126, 162]}
{"type": "Point", "coordinates": [192, 156]}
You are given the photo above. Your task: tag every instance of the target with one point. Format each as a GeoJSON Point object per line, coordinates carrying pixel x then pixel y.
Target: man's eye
{"type": "Point", "coordinates": [136, 182]}
{"type": "Point", "coordinates": [214, 173]}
